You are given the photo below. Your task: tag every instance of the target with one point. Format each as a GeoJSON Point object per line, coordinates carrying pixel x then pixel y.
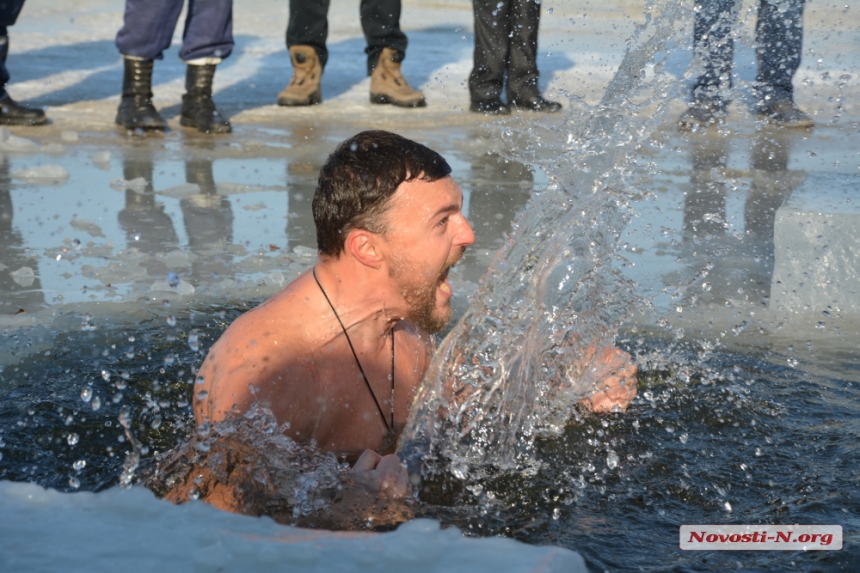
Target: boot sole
{"type": "Point", "coordinates": [162, 127]}
{"type": "Point", "coordinates": [313, 99]}
{"type": "Point", "coordinates": [188, 122]}
{"type": "Point", "coordinates": [13, 121]}
{"type": "Point", "coordinates": [386, 99]}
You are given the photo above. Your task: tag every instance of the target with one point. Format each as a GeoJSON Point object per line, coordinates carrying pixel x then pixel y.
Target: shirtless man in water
{"type": "Point", "coordinates": [340, 352]}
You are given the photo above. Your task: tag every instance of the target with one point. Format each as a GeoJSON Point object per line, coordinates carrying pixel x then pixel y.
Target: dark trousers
{"type": "Point", "coordinates": [148, 28]}
{"type": "Point", "coordinates": [380, 21]}
{"type": "Point", "coordinates": [779, 39]}
{"type": "Point", "coordinates": [9, 10]}
{"type": "Point", "coordinates": [506, 34]}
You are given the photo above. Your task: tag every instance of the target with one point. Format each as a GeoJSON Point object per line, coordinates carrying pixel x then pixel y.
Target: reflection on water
{"type": "Point", "coordinates": [148, 229]}
{"type": "Point", "coordinates": [20, 287]}
{"type": "Point", "coordinates": [744, 263]}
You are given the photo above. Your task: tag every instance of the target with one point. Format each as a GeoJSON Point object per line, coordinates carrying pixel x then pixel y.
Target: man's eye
{"type": "Point", "coordinates": [443, 222]}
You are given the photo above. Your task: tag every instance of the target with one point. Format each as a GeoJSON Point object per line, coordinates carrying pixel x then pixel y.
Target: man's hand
{"type": "Point", "coordinates": [616, 381]}
{"type": "Point", "coordinates": [382, 475]}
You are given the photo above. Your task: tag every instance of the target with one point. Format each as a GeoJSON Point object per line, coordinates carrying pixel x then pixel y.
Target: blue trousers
{"type": "Point", "coordinates": [148, 27]}
{"type": "Point", "coordinates": [779, 40]}
{"type": "Point", "coordinates": [9, 10]}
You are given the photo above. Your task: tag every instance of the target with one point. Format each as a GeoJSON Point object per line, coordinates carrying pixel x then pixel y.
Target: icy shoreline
{"type": "Point", "coordinates": [131, 530]}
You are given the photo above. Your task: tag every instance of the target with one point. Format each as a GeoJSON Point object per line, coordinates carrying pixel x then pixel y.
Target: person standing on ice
{"type": "Point", "coordinates": [11, 112]}
{"type": "Point", "coordinates": [206, 40]}
{"type": "Point", "coordinates": [340, 352]}
{"type": "Point", "coordinates": [307, 31]}
{"type": "Point", "coordinates": [506, 41]}
{"type": "Point", "coordinates": [779, 40]}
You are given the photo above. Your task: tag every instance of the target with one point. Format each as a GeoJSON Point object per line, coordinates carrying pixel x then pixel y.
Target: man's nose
{"type": "Point", "coordinates": [465, 234]}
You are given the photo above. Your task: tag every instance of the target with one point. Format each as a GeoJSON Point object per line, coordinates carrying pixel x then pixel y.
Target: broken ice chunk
{"type": "Point", "coordinates": [42, 174]}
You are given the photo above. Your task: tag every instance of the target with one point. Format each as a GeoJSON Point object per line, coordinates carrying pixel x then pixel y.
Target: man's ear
{"type": "Point", "coordinates": [365, 247]}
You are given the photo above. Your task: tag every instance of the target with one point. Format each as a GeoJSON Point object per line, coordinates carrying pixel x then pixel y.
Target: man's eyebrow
{"type": "Point", "coordinates": [452, 208]}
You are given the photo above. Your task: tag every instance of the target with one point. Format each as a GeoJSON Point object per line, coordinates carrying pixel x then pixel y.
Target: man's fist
{"type": "Point", "coordinates": [382, 475]}
{"type": "Point", "coordinates": [616, 381]}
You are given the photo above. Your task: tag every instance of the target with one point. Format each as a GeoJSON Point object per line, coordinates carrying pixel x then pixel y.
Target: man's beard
{"type": "Point", "coordinates": [421, 296]}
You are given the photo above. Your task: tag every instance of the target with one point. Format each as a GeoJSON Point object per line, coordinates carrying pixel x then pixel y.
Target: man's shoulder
{"type": "Point", "coordinates": [283, 320]}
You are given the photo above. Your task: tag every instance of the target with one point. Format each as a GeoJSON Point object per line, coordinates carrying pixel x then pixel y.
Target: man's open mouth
{"type": "Point", "coordinates": [444, 285]}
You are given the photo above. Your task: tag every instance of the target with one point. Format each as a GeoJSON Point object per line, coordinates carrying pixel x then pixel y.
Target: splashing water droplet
{"type": "Point", "coordinates": [87, 394]}
{"type": "Point", "coordinates": [97, 403]}
{"type": "Point", "coordinates": [73, 439]}
{"type": "Point", "coordinates": [105, 375]}
{"type": "Point", "coordinates": [172, 279]}
{"type": "Point", "coordinates": [200, 380]}
{"type": "Point", "coordinates": [683, 438]}
{"type": "Point", "coordinates": [124, 417]}
{"type": "Point", "coordinates": [171, 321]}
{"type": "Point", "coordinates": [156, 422]}
{"type": "Point", "coordinates": [85, 323]}
{"type": "Point", "coordinates": [74, 483]}
{"type": "Point", "coordinates": [79, 465]}
{"type": "Point", "coordinates": [202, 395]}
{"type": "Point", "coordinates": [728, 506]}
{"type": "Point", "coordinates": [612, 459]}
{"type": "Point", "coordinates": [193, 341]}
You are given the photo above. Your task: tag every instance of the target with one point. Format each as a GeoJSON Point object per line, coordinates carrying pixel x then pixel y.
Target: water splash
{"type": "Point", "coordinates": [263, 472]}
{"type": "Point", "coordinates": [512, 368]}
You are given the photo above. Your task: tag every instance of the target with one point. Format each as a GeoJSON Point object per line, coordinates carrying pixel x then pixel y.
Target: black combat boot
{"type": "Point", "coordinates": [198, 109]}
{"type": "Point", "coordinates": [136, 109]}
{"type": "Point", "coordinates": [13, 113]}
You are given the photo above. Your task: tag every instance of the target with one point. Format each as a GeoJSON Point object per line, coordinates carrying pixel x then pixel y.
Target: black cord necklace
{"type": "Point", "coordinates": [388, 426]}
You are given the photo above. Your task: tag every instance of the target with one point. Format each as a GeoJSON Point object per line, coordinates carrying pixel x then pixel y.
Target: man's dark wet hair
{"type": "Point", "coordinates": [360, 176]}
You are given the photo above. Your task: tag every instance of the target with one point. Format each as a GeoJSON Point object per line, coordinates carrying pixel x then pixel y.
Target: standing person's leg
{"type": "Point", "coordinates": [147, 30]}
{"type": "Point", "coordinates": [386, 49]}
{"type": "Point", "coordinates": [715, 49]}
{"type": "Point", "coordinates": [490, 60]}
{"type": "Point", "coordinates": [523, 90]}
{"type": "Point", "coordinates": [779, 39]}
{"type": "Point", "coordinates": [307, 32]}
{"type": "Point", "coordinates": [206, 40]}
{"type": "Point", "coordinates": [12, 113]}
